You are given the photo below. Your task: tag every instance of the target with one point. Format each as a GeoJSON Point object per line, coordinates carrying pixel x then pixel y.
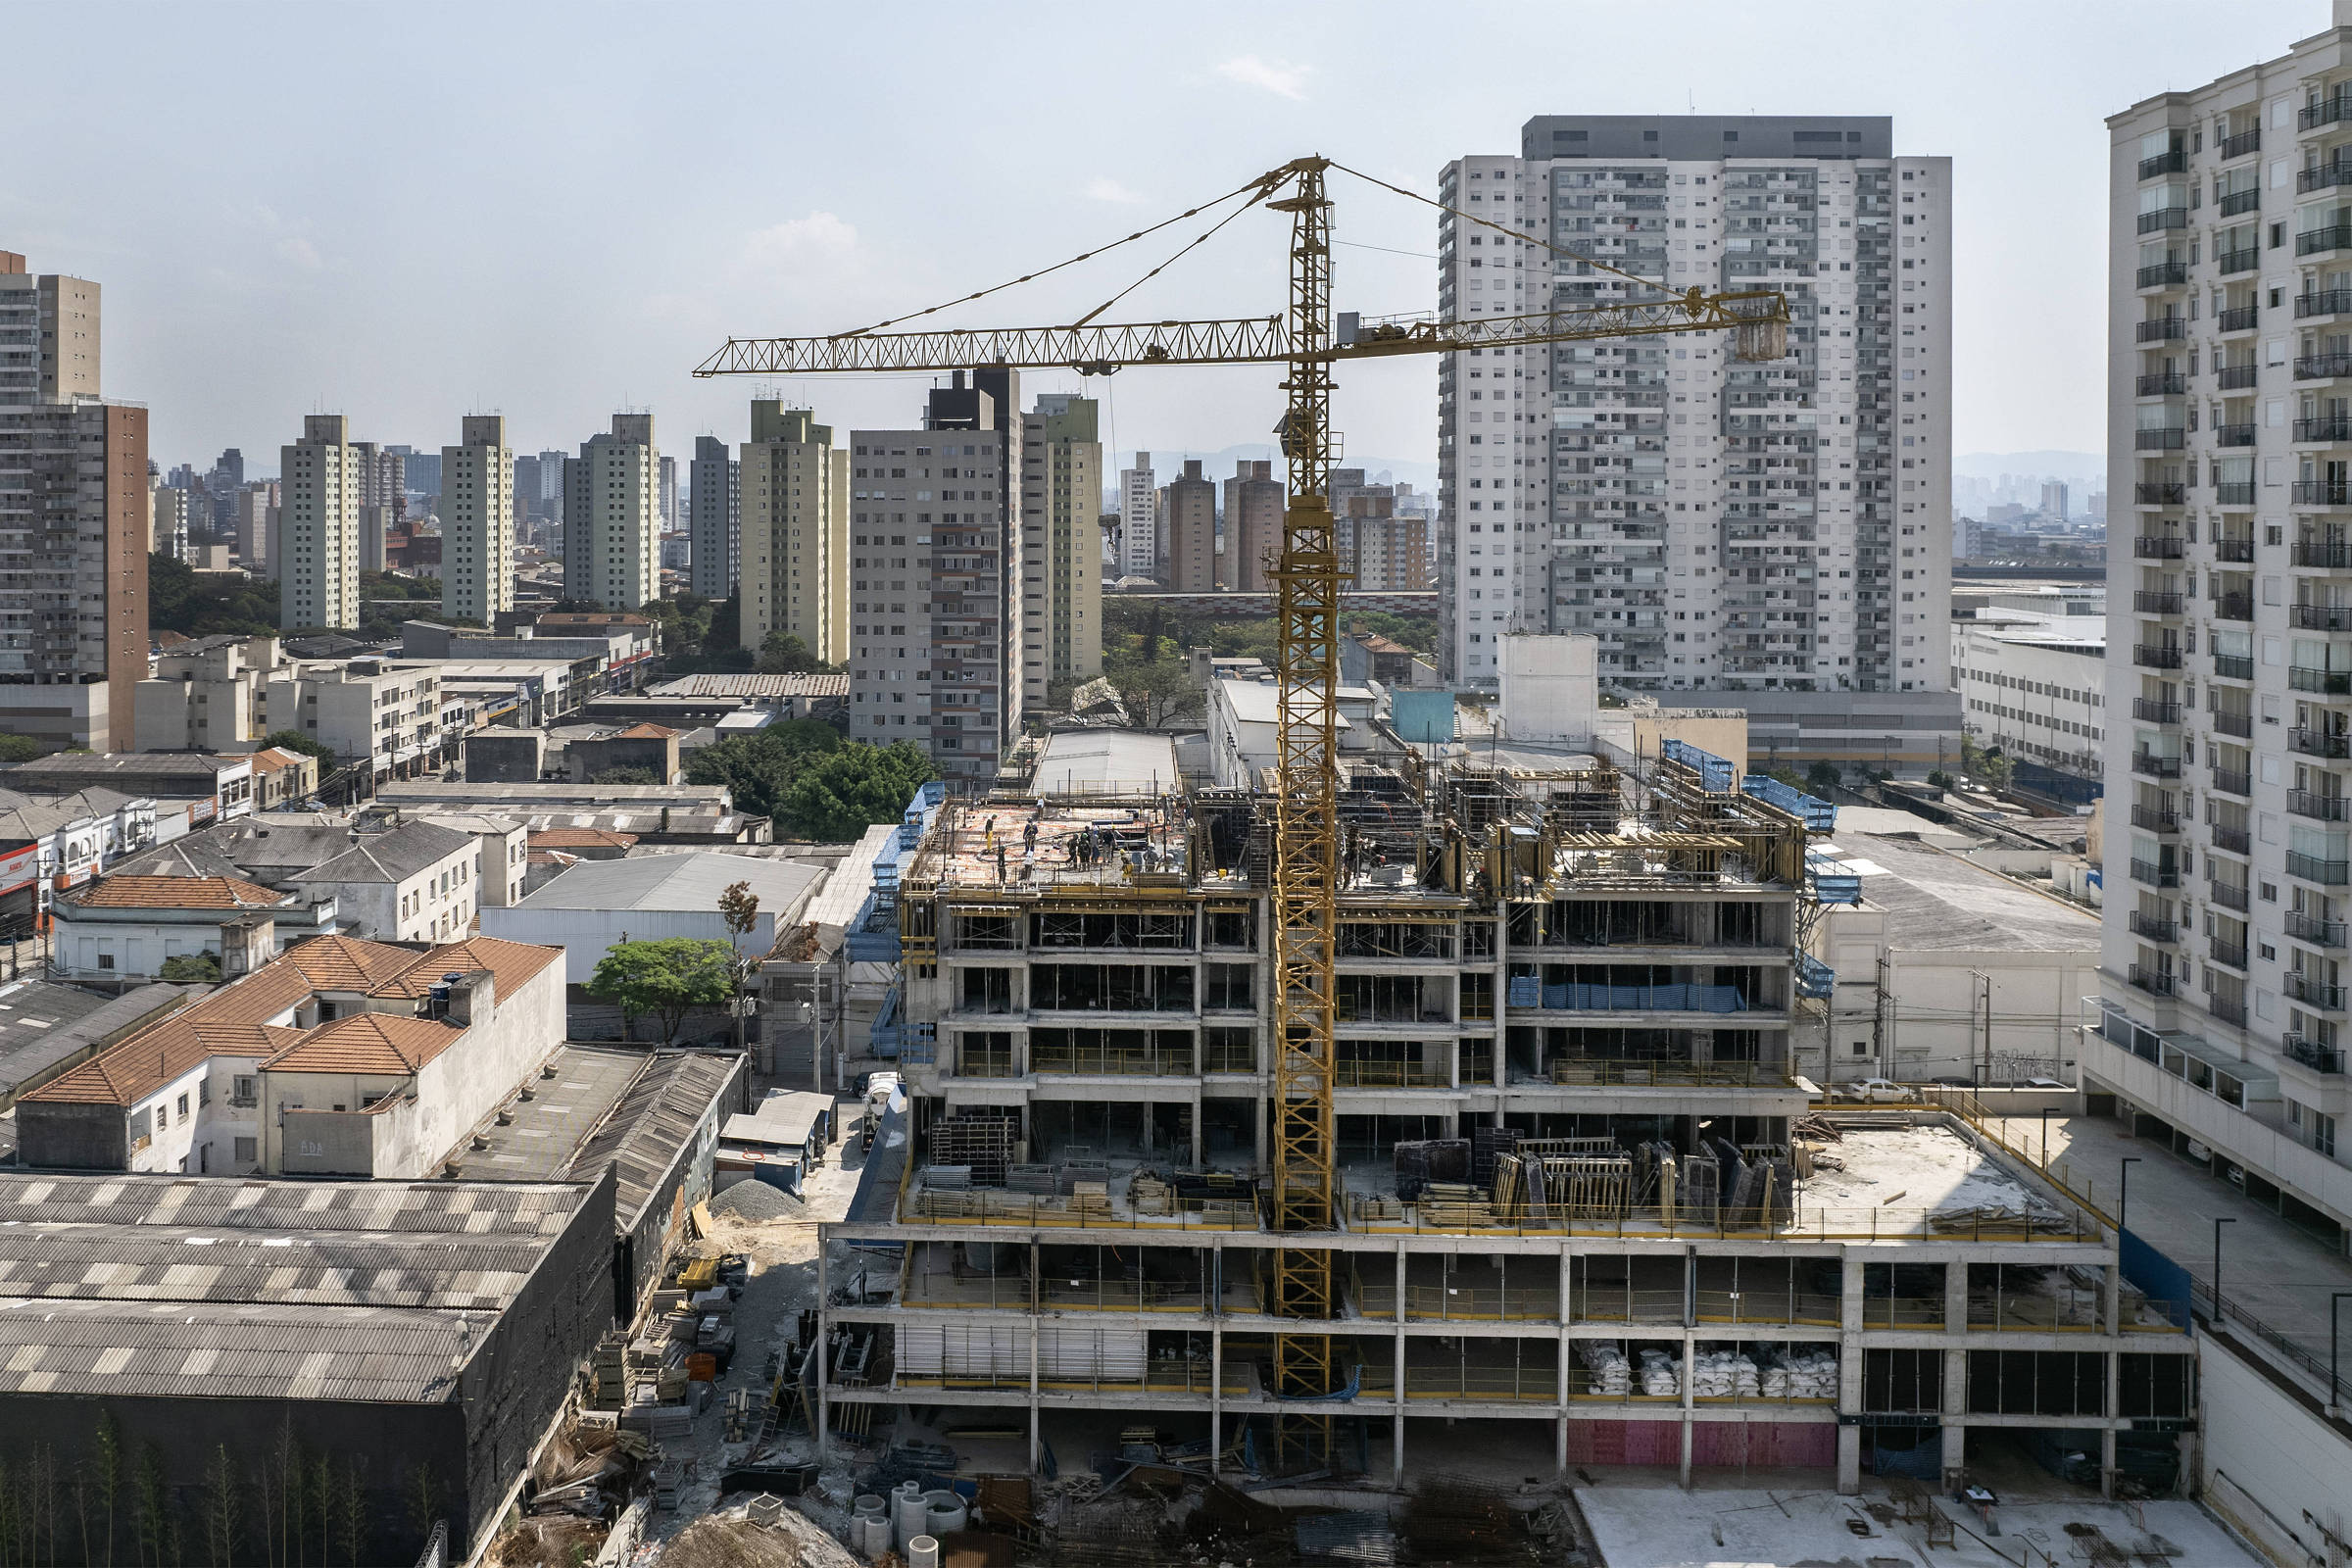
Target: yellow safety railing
{"type": "Point", "coordinates": [1903, 1311]}
{"type": "Point", "coordinates": [1114, 1061]}
{"type": "Point", "coordinates": [1769, 1306]}
{"type": "Point", "coordinates": [1609, 1073]}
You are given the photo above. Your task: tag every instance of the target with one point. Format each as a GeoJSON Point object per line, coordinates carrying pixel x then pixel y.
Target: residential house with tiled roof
{"type": "Point", "coordinates": [341, 1058]}
{"type": "Point", "coordinates": [283, 779]}
{"type": "Point", "coordinates": [125, 929]}
{"type": "Point", "coordinates": [389, 878]}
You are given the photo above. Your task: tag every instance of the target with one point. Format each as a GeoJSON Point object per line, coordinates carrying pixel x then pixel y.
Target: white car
{"type": "Point", "coordinates": [1874, 1090]}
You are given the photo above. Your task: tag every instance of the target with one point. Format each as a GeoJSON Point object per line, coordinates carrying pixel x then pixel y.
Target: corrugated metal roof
{"type": "Point", "coordinates": [674, 882]}
{"type": "Point", "coordinates": [645, 1131]}
{"type": "Point", "coordinates": [375, 1354]}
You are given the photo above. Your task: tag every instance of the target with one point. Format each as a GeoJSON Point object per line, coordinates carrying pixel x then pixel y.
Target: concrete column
{"type": "Point", "coordinates": [1955, 1297]}
{"type": "Point", "coordinates": [1849, 1460]}
{"type": "Point", "coordinates": [1956, 1408]}
{"type": "Point", "coordinates": [824, 1327]}
{"type": "Point", "coordinates": [1216, 1399]}
{"type": "Point", "coordinates": [2110, 1405]}
{"type": "Point", "coordinates": [1196, 1114]}
{"type": "Point", "coordinates": [1849, 1373]}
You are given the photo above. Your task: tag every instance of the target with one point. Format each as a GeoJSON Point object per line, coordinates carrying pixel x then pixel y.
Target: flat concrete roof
{"type": "Point", "coordinates": [1938, 901]}
{"type": "Point", "coordinates": [676, 882]}
{"type": "Point", "coordinates": [1107, 761]}
{"type": "Point", "coordinates": [548, 1128]}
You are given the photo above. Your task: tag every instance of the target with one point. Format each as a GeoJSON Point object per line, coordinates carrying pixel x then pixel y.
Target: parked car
{"type": "Point", "coordinates": [1875, 1091]}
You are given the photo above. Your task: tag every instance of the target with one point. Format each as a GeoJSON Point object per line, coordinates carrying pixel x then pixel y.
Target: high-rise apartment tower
{"type": "Point", "coordinates": [1139, 520]}
{"type": "Point", "coordinates": [1253, 505]}
{"type": "Point", "coordinates": [1188, 531]}
{"type": "Point", "coordinates": [478, 522]}
{"type": "Point", "coordinates": [796, 527]}
{"type": "Point", "coordinates": [319, 481]}
{"type": "Point", "coordinates": [1716, 524]}
{"type": "Point", "coordinates": [612, 519]}
{"type": "Point", "coordinates": [714, 520]}
{"type": "Point", "coordinates": [1061, 548]}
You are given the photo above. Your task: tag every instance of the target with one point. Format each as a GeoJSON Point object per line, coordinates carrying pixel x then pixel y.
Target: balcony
{"type": "Point", "coordinates": [2237, 146]}
{"type": "Point", "coordinates": [2319, 742]}
{"type": "Point", "coordinates": [2322, 493]}
{"type": "Point", "coordinates": [2238, 493]}
{"type": "Point", "coordinates": [2236, 840]}
{"type": "Point", "coordinates": [2156, 873]}
{"type": "Point", "coordinates": [2155, 710]}
{"type": "Point", "coordinates": [2150, 548]}
{"type": "Point", "coordinates": [2236, 202]}
{"type": "Point", "coordinates": [2314, 928]}
{"type": "Point", "coordinates": [2245, 260]}
{"type": "Point", "coordinates": [2232, 954]}
{"type": "Point", "coordinates": [2156, 818]}
{"type": "Point", "coordinates": [2154, 928]}
{"type": "Point", "coordinates": [2161, 438]}
{"type": "Point", "coordinates": [2233, 781]}
{"type": "Point", "coordinates": [2162, 219]}
{"type": "Point", "coordinates": [2228, 895]}
{"type": "Point", "coordinates": [2310, 868]}
{"type": "Point", "coordinates": [2326, 428]}
{"type": "Point", "coordinates": [2159, 495]}
{"type": "Point", "coordinates": [2238, 550]}
{"type": "Point", "coordinates": [2324, 112]}
{"type": "Point", "coordinates": [2155, 982]}
{"type": "Point", "coordinates": [2322, 367]}
{"type": "Point", "coordinates": [2322, 302]}
{"type": "Point", "coordinates": [2163, 275]}
{"type": "Point", "coordinates": [2228, 723]}
{"type": "Point", "coordinates": [2172, 162]}
{"type": "Point", "coordinates": [2234, 607]}
{"type": "Point", "coordinates": [2150, 603]}
{"type": "Point", "coordinates": [2314, 993]}
{"type": "Point", "coordinates": [2228, 1008]}
{"type": "Point", "coordinates": [2312, 241]}
{"type": "Point", "coordinates": [2233, 435]}
{"type": "Point", "coordinates": [2164, 383]}
{"type": "Point", "coordinates": [2325, 682]}
{"type": "Point", "coordinates": [2155, 658]}
{"type": "Point", "coordinates": [2323, 176]}
{"type": "Point", "coordinates": [2310, 1054]}
{"type": "Point", "coordinates": [2234, 378]}
{"type": "Point", "coordinates": [2319, 808]}
{"type": "Point", "coordinates": [2161, 329]}
{"type": "Point", "coordinates": [2334, 555]}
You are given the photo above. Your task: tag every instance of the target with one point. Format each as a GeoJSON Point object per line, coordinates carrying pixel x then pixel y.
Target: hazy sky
{"type": "Point", "coordinates": [409, 212]}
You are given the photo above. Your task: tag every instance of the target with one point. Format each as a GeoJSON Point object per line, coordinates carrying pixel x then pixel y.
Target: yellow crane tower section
{"type": "Point", "coordinates": [1307, 341]}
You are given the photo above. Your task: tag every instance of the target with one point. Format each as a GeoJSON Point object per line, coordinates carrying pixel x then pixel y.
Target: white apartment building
{"type": "Point", "coordinates": [1061, 551]}
{"type": "Point", "coordinates": [386, 716]}
{"type": "Point", "coordinates": [612, 517]}
{"type": "Point", "coordinates": [170, 509]}
{"type": "Point", "coordinates": [794, 487]}
{"type": "Point", "coordinates": [2035, 686]}
{"type": "Point", "coordinates": [1139, 520]}
{"type": "Point", "coordinates": [1718, 526]}
{"type": "Point", "coordinates": [935, 579]}
{"type": "Point", "coordinates": [478, 522]}
{"type": "Point", "coordinates": [2229, 620]}
{"type": "Point", "coordinates": [714, 518]}
{"type": "Point", "coordinates": [319, 510]}
{"type": "Point", "coordinates": [206, 695]}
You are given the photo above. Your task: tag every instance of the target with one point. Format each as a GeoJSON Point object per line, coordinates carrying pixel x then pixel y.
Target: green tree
{"type": "Point", "coordinates": [294, 739]}
{"type": "Point", "coordinates": [1158, 688]}
{"type": "Point", "coordinates": [392, 585]}
{"type": "Point", "coordinates": [1822, 778]}
{"type": "Point", "coordinates": [624, 775]}
{"type": "Point", "coordinates": [783, 654]}
{"type": "Point", "coordinates": [20, 748]}
{"type": "Point", "coordinates": [841, 793]}
{"type": "Point", "coordinates": [178, 600]}
{"type": "Point", "coordinates": [667, 978]}
{"type": "Point", "coordinates": [192, 969]}
{"type": "Point", "coordinates": [758, 768]}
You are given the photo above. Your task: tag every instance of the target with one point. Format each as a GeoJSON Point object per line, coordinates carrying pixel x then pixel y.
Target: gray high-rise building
{"type": "Point", "coordinates": [1717, 525]}
{"type": "Point", "coordinates": [714, 520]}
{"type": "Point", "coordinates": [935, 579]}
{"type": "Point", "coordinates": [612, 522]}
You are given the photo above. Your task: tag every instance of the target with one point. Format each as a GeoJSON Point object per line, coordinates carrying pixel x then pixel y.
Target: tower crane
{"type": "Point", "coordinates": [1307, 342]}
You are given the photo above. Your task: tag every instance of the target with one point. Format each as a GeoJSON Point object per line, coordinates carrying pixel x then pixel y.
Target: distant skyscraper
{"type": "Point", "coordinates": [670, 492]}
{"type": "Point", "coordinates": [1188, 531]}
{"type": "Point", "coordinates": [319, 557]}
{"type": "Point", "coordinates": [256, 527]}
{"type": "Point", "coordinates": [1139, 520]}
{"type": "Point", "coordinates": [935, 581]}
{"type": "Point", "coordinates": [1061, 545]}
{"type": "Point", "coordinates": [478, 522]}
{"type": "Point", "coordinates": [794, 576]}
{"type": "Point", "coordinates": [171, 527]}
{"type": "Point", "coordinates": [2053, 498]}
{"type": "Point", "coordinates": [612, 518]}
{"type": "Point", "coordinates": [74, 490]}
{"type": "Point", "coordinates": [1254, 505]}
{"type": "Point", "coordinates": [714, 520]}
{"type": "Point", "coordinates": [1716, 524]}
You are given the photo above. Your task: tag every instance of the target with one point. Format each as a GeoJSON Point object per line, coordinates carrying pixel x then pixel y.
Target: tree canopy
{"type": "Point", "coordinates": [178, 600]}
{"type": "Point", "coordinates": [810, 781]}
{"type": "Point", "coordinates": [665, 979]}
{"type": "Point", "coordinates": [294, 739]}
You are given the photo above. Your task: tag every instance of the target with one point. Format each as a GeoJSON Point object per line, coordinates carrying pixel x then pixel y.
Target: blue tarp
{"type": "Point", "coordinates": [2157, 1276]}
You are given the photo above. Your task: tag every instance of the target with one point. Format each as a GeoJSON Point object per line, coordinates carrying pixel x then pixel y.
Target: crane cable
{"type": "Point", "coordinates": [1164, 265]}
{"type": "Point", "coordinates": [1255, 188]}
{"type": "Point", "coordinates": [1487, 222]}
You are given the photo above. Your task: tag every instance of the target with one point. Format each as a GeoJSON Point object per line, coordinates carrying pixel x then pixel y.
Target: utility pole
{"type": "Point", "coordinates": [1882, 1035]}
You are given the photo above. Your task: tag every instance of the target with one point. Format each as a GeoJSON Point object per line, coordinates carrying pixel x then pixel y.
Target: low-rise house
{"type": "Point", "coordinates": [80, 835]}
{"type": "Point", "coordinates": [599, 902]}
{"type": "Point", "coordinates": [646, 749]}
{"type": "Point", "coordinates": [340, 1057]}
{"type": "Point", "coordinates": [225, 780]}
{"type": "Point", "coordinates": [387, 877]}
{"type": "Point", "coordinates": [370, 712]}
{"type": "Point", "coordinates": [283, 779]}
{"type": "Point", "coordinates": [124, 929]}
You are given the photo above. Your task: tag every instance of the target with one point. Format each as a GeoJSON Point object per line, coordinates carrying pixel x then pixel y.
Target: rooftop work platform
{"type": "Point", "coordinates": [1000, 844]}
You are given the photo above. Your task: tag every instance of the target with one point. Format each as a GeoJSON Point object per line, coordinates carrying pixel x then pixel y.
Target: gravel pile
{"type": "Point", "coordinates": [756, 1201]}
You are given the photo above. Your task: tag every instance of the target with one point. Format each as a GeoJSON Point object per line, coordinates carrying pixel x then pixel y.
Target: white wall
{"type": "Point", "coordinates": [587, 935]}
{"type": "Point", "coordinates": [2043, 700]}
{"type": "Point", "coordinates": [2256, 1442]}
{"type": "Point", "coordinates": [1551, 686]}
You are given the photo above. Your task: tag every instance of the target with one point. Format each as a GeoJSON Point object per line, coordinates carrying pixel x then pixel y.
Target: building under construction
{"type": "Point", "coordinates": [1591, 1218]}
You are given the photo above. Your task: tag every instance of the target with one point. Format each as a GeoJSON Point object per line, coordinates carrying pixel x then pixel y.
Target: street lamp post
{"type": "Point", "coordinates": [2219, 1220]}
{"type": "Point", "coordinates": [2122, 1202]}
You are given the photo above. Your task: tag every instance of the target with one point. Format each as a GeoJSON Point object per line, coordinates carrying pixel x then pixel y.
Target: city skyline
{"type": "Point", "coordinates": [317, 287]}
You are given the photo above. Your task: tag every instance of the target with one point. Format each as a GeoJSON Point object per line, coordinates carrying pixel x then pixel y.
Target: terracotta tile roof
{"type": "Point", "coordinates": [581, 838]}
{"type": "Point", "coordinates": [346, 964]}
{"type": "Point", "coordinates": [384, 1043]}
{"type": "Point", "coordinates": [179, 892]}
{"type": "Point", "coordinates": [643, 731]}
{"type": "Point", "coordinates": [512, 964]}
{"type": "Point", "coordinates": [228, 1022]}
{"type": "Point", "coordinates": [269, 759]}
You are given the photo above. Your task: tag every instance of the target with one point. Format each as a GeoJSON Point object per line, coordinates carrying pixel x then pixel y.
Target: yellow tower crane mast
{"type": "Point", "coordinates": [1304, 1196]}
